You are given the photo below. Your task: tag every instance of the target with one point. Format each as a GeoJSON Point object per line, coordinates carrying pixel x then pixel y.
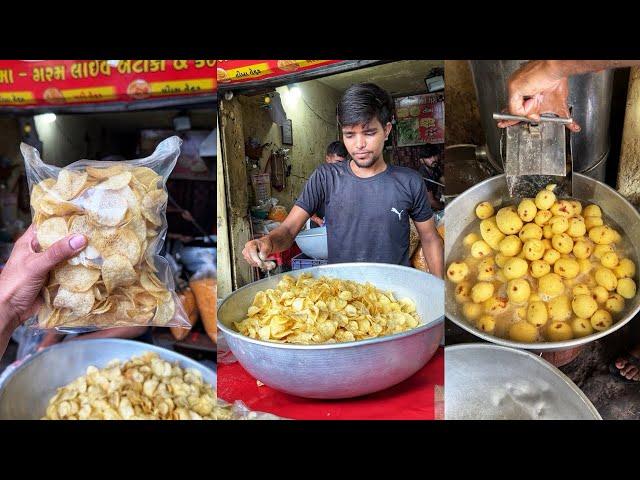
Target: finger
{"type": "Point", "coordinates": [532, 107]}
{"type": "Point", "coordinates": [507, 123]}
{"type": "Point", "coordinates": [264, 250]}
{"type": "Point", "coordinates": [60, 251]}
{"type": "Point", "coordinates": [516, 104]}
{"type": "Point", "coordinates": [250, 253]}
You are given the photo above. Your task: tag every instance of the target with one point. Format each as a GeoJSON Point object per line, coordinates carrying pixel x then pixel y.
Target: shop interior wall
{"type": "Point", "coordinates": [313, 125]}
{"type": "Point", "coordinates": [461, 105]}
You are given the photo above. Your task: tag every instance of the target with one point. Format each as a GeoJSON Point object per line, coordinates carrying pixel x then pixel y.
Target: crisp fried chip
{"type": "Point", "coordinates": [76, 278]}
{"type": "Point", "coordinates": [105, 172]}
{"type": "Point", "coordinates": [79, 303]}
{"type": "Point", "coordinates": [52, 206]}
{"type": "Point", "coordinates": [151, 205]}
{"type": "Point", "coordinates": [70, 183]}
{"type": "Point", "coordinates": [50, 231]}
{"type": "Point", "coordinates": [117, 271]}
{"type": "Point", "coordinates": [123, 241]}
{"type": "Point", "coordinates": [147, 177]}
{"type": "Point", "coordinates": [115, 182]}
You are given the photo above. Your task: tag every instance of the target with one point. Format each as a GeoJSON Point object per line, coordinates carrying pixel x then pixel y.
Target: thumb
{"type": "Point", "coordinates": [60, 251]}
{"type": "Point", "coordinates": [264, 250]}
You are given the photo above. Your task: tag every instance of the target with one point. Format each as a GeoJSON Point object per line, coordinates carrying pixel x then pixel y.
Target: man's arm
{"type": "Point", "coordinates": [432, 246]}
{"type": "Point", "coordinates": [541, 86]}
{"type": "Point", "coordinates": [279, 239]}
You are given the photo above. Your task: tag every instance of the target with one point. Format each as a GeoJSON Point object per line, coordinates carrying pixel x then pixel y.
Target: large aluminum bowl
{"type": "Point", "coordinates": [313, 243]}
{"type": "Point", "coordinates": [342, 370]}
{"type": "Point", "coordinates": [25, 394]}
{"type": "Point", "coordinates": [460, 214]}
{"type": "Point", "coordinates": [491, 382]}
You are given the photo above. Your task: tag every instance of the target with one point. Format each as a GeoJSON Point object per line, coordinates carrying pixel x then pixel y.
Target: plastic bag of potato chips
{"type": "Point", "coordinates": [119, 279]}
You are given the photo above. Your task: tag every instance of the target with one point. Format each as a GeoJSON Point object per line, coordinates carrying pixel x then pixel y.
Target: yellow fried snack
{"type": "Point", "coordinates": [143, 388]}
{"type": "Point", "coordinates": [113, 281]}
{"type": "Point", "coordinates": [308, 310]}
{"type": "Point", "coordinates": [547, 269]}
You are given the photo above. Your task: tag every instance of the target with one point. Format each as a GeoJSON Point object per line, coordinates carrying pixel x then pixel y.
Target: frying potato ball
{"type": "Point", "coordinates": [490, 232]}
{"type": "Point", "coordinates": [487, 324]}
{"type": "Point", "coordinates": [626, 268]}
{"type": "Point", "coordinates": [515, 268]}
{"type": "Point", "coordinates": [533, 249]}
{"type": "Point", "coordinates": [562, 208]}
{"type": "Point", "coordinates": [585, 265]}
{"type": "Point", "coordinates": [615, 303]}
{"type": "Point", "coordinates": [559, 331]}
{"type": "Point", "coordinates": [472, 311]}
{"type": "Point", "coordinates": [600, 294]}
{"type": "Point", "coordinates": [601, 320]}
{"type": "Point", "coordinates": [581, 289]}
{"type": "Point", "coordinates": [496, 305]}
{"type": "Point", "coordinates": [606, 278]}
{"type": "Point", "coordinates": [559, 225]}
{"type": "Point", "coordinates": [559, 308]}
{"type": "Point", "coordinates": [484, 210]}
{"type": "Point", "coordinates": [600, 250]}
{"type": "Point", "coordinates": [581, 327]}
{"type": "Point", "coordinates": [584, 306]}
{"type": "Point", "coordinates": [550, 284]}
{"type": "Point", "coordinates": [480, 249]}
{"type": "Point", "coordinates": [566, 268]}
{"type": "Point", "coordinates": [457, 271]}
{"type": "Point", "coordinates": [592, 211]}
{"type": "Point", "coordinates": [501, 259]}
{"type": "Point", "coordinates": [463, 292]}
{"type": "Point", "coordinates": [603, 235]}
{"type": "Point", "coordinates": [487, 269]}
{"type": "Point", "coordinates": [582, 249]}
{"type": "Point", "coordinates": [530, 231]}
{"type": "Point", "coordinates": [626, 288]}
{"type": "Point", "coordinates": [577, 207]}
{"type": "Point", "coordinates": [591, 222]}
{"type": "Point", "coordinates": [542, 217]}
{"type": "Point", "coordinates": [470, 239]}
{"type": "Point", "coordinates": [563, 243]}
{"type": "Point", "coordinates": [518, 290]}
{"type": "Point", "coordinates": [481, 291]}
{"type": "Point", "coordinates": [527, 210]}
{"type": "Point", "coordinates": [508, 221]}
{"type": "Point", "coordinates": [610, 260]}
{"type": "Point", "coordinates": [539, 268]}
{"type": "Point", "coordinates": [545, 199]}
{"type": "Point", "coordinates": [510, 246]}
{"type": "Point", "coordinates": [577, 228]}
{"type": "Point", "coordinates": [523, 332]}
{"type": "Point", "coordinates": [547, 231]}
{"type": "Point", "coordinates": [537, 314]}
{"type": "Point", "coordinates": [551, 256]}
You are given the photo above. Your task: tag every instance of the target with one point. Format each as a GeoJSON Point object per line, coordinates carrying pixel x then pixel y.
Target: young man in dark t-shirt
{"type": "Point", "coordinates": [368, 203]}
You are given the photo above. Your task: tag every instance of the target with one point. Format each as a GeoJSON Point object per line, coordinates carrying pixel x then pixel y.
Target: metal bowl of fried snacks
{"type": "Point", "coordinates": [26, 393]}
{"type": "Point", "coordinates": [491, 382]}
{"type": "Point", "coordinates": [342, 369]}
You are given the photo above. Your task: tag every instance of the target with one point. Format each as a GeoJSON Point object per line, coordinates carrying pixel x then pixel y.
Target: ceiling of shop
{"type": "Point", "coordinates": [398, 78]}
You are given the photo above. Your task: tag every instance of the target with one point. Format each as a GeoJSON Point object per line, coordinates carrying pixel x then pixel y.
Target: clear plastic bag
{"type": "Point", "coordinates": [119, 279]}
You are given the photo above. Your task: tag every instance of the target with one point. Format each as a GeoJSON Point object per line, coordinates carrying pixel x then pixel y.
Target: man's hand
{"type": "Point", "coordinates": [256, 251]}
{"type": "Point", "coordinates": [317, 220]}
{"type": "Point", "coordinates": [24, 275]}
{"type": "Point", "coordinates": [538, 87]}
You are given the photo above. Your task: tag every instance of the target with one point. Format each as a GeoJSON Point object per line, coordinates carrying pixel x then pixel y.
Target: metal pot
{"type": "Point", "coordinates": [489, 382]}
{"type": "Point", "coordinates": [460, 214]}
{"type": "Point", "coordinates": [25, 394]}
{"type": "Point", "coordinates": [349, 369]}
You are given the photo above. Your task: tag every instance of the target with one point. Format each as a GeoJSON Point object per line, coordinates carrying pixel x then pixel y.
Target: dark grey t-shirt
{"type": "Point", "coordinates": [367, 218]}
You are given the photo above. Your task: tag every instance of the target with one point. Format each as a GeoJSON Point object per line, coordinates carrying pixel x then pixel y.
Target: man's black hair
{"type": "Point", "coordinates": [337, 148]}
{"type": "Point", "coordinates": [362, 102]}
{"type": "Point", "coordinates": [429, 150]}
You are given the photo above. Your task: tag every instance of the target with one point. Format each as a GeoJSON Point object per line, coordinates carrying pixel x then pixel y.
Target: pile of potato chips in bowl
{"type": "Point", "coordinates": [118, 279]}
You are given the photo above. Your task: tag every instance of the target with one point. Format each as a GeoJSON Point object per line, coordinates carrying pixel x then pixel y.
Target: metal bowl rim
{"type": "Point", "coordinates": [150, 347]}
{"type": "Point", "coordinates": [540, 361]}
{"type": "Point", "coordinates": [294, 346]}
{"type": "Point", "coordinates": [544, 346]}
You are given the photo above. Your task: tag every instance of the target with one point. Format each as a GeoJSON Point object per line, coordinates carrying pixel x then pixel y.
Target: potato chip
{"type": "Point", "coordinates": [50, 231]}
{"type": "Point", "coordinates": [51, 206]}
{"type": "Point", "coordinates": [164, 312]}
{"type": "Point", "coordinates": [69, 183]}
{"type": "Point", "coordinates": [76, 278]}
{"type": "Point", "coordinates": [104, 207]}
{"type": "Point", "coordinates": [115, 182]}
{"type": "Point", "coordinates": [146, 177]}
{"type": "Point", "coordinates": [123, 242]}
{"type": "Point", "coordinates": [79, 303]}
{"type": "Point", "coordinates": [117, 271]}
{"type": "Point", "coordinates": [105, 172]}
{"type": "Point", "coordinates": [151, 205]}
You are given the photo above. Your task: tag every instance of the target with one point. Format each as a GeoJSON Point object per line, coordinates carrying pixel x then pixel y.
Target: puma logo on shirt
{"type": "Point", "coordinates": [399, 213]}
